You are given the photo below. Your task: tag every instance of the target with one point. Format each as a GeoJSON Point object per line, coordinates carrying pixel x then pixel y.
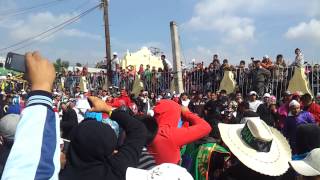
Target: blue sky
{"type": "Point", "coordinates": [235, 29]}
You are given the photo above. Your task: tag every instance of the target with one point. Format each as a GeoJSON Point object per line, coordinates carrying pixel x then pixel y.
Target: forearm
{"type": "Point", "coordinates": [198, 129]}
{"type": "Point", "coordinates": [35, 152]}
{"type": "Point", "coordinates": [128, 154]}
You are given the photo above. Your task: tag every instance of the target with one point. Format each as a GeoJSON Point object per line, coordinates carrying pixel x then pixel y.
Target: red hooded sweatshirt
{"type": "Point", "coordinates": [169, 139]}
{"type": "Point", "coordinates": [314, 109]}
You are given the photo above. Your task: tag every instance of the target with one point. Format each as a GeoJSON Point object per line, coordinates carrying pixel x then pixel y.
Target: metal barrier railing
{"type": "Point", "coordinates": [200, 80]}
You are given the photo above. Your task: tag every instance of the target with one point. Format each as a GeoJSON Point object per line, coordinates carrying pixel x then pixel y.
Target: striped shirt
{"type": "Point", "coordinates": [146, 160]}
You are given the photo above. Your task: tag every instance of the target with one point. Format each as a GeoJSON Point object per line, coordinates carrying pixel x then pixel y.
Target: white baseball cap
{"type": "Point", "coordinates": [115, 54]}
{"type": "Point", "coordinates": [252, 93]}
{"type": "Point", "coordinates": [164, 171]}
{"type": "Point", "coordinates": [309, 166]}
{"type": "Point", "coordinates": [266, 95]}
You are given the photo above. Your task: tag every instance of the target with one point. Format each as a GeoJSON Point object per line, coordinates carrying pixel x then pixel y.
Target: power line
{"type": "Point", "coordinates": [50, 31]}
{"type": "Point", "coordinates": [19, 10]}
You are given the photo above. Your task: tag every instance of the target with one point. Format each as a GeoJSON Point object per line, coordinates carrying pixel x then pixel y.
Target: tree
{"type": "Point", "coordinates": [59, 65]}
{"type": "Point", "coordinates": [78, 64]}
{"type": "Point", "coordinates": [65, 64]}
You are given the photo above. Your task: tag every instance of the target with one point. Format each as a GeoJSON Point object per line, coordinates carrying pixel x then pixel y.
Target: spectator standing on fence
{"type": "Point", "coordinates": [259, 77]}
{"type": "Point", "coordinates": [215, 58]}
{"type": "Point", "coordinates": [295, 118]}
{"type": "Point", "coordinates": [167, 66]}
{"type": "Point", "coordinates": [239, 72]}
{"type": "Point", "coordinates": [147, 78]}
{"type": "Point", "coordinates": [310, 106]}
{"type": "Point", "coordinates": [160, 80]}
{"type": "Point", "coordinates": [115, 64]}
{"type": "Point", "coordinates": [266, 62]}
{"type": "Point", "coordinates": [131, 77]}
{"type": "Point", "coordinates": [216, 74]}
{"type": "Point", "coordinates": [279, 72]}
{"type": "Point", "coordinates": [253, 102]}
{"type": "Point", "coordinates": [69, 82]}
{"type": "Point", "coordinates": [299, 60]}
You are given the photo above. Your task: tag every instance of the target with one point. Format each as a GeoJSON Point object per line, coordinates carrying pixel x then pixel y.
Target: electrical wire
{"type": "Point", "coordinates": [50, 31]}
{"type": "Point", "coordinates": [22, 10]}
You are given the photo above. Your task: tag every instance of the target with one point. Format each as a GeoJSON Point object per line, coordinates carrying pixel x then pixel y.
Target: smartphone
{"type": "Point", "coordinates": [15, 62]}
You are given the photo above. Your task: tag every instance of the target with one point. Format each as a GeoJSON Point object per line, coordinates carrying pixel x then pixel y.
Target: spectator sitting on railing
{"type": "Point", "coordinates": [225, 64]}
{"type": "Point", "coordinates": [166, 64]}
{"type": "Point", "coordinates": [216, 59]}
{"type": "Point", "coordinates": [266, 62]}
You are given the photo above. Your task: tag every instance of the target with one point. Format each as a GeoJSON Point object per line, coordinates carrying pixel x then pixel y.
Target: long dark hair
{"type": "Point", "coordinates": [151, 125]}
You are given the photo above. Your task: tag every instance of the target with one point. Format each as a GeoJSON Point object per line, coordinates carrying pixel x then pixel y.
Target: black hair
{"type": "Point", "coordinates": [306, 97]}
{"type": "Point", "coordinates": [242, 62]}
{"type": "Point", "coordinates": [279, 56]}
{"type": "Point", "coordinates": [151, 126]}
{"type": "Point", "coordinates": [223, 91]}
{"type": "Point", "coordinates": [183, 94]}
{"type": "Point", "coordinates": [245, 104]}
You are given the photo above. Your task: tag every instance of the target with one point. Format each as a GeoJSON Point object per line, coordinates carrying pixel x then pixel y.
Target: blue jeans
{"type": "Point", "coordinates": [115, 78]}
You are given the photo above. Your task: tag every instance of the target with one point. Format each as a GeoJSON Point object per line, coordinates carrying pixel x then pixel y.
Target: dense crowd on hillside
{"type": "Point", "coordinates": [53, 129]}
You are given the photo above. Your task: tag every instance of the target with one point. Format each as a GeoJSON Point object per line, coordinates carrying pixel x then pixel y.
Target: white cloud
{"type": "Point", "coordinates": [80, 34]}
{"type": "Point", "coordinates": [226, 17]}
{"type": "Point", "coordinates": [305, 31]}
{"type": "Point", "coordinates": [40, 22]}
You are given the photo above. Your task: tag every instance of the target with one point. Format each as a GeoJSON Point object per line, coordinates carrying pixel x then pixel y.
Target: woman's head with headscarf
{"type": "Point", "coordinates": [92, 142]}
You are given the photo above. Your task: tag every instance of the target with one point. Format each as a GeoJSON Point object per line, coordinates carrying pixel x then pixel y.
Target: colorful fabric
{"type": "Point", "coordinates": [202, 164]}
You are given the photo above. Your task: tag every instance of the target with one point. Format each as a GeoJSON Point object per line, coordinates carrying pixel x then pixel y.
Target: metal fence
{"type": "Point", "coordinates": [200, 80]}
{"type": "Point", "coordinates": [204, 80]}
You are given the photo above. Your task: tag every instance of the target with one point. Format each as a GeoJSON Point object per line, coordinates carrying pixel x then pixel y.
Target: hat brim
{"type": "Point", "coordinates": [303, 168]}
{"type": "Point", "coordinates": [134, 174]}
{"type": "Point", "coordinates": [272, 163]}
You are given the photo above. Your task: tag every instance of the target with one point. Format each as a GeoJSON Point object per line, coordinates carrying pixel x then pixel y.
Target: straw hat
{"type": "Point", "coordinates": [310, 165]}
{"type": "Point", "coordinates": [164, 171]}
{"type": "Point", "coordinates": [258, 146]}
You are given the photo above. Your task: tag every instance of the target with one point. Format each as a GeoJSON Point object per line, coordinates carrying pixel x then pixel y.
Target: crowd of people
{"type": "Point", "coordinates": [49, 133]}
{"type": "Point", "coordinates": [260, 76]}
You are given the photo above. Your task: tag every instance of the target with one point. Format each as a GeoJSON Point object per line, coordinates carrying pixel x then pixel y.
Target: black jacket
{"type": "Point", "coordinates": [68, 122]}
{"type": "Point", "coordinates": [91, 155]}
{"type": "Point", "coordinates": [260, 75]}
{"type": "Point", "coordinates": [266, 115]}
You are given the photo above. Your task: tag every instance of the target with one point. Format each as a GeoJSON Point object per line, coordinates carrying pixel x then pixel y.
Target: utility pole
{"type": "Point", "coordinates": [105, 6]}
{"type": "Point", "coordinates": [176, 58]}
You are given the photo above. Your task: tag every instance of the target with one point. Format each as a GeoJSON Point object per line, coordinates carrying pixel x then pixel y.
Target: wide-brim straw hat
{"type": "Point", "coordinates": [272, 161]}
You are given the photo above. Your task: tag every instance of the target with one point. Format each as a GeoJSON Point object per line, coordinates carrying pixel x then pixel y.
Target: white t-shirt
{"type": "Point", "coordinates": [253, 106]}
{"type": "Point", "coordinates": [104, 98]}
{"type": "Point", "coordinates": [169, 63]}
{"type": "Point", "coordinates": [185, 103]}
{"type": "Point", "coordinates": [114, 63]}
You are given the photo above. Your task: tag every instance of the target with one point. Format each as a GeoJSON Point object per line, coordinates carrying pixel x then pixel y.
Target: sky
{"type": "Point", "coordinates": [234, 29]}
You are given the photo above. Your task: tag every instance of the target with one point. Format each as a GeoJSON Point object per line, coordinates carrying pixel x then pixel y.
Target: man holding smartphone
{"type": "Point", "coordinates": [35, 153]}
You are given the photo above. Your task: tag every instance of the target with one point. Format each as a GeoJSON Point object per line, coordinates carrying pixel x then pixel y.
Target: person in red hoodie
{"type": "Point", "coordinates": [311, 106]}
{"type": "Point", "coordinates": [124, 99]}
{"type": "Point", "coordinates": [169, 139]}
